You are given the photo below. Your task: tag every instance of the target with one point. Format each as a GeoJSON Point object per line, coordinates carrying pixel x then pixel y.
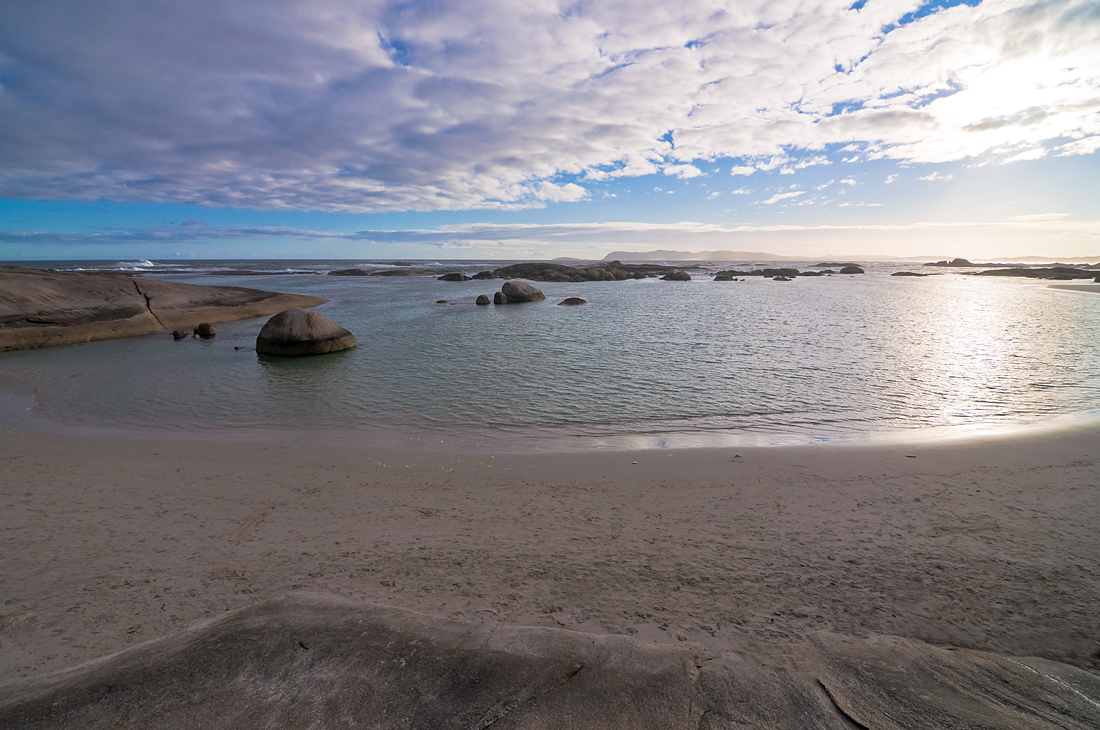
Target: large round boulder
{"type": "Point", "coordinates": [678, 275]}
{"type": "Point", "coordinates": [851, 270]}
{"type": "Point", "coordinates": [299, 332]}
{"type": "Point", "coordinates": [518, 292]}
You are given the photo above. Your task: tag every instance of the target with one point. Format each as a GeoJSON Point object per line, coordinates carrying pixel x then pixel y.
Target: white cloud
{"type": "Point", "coordinates": [848, 181]}
{"type": "Point", "coordinates": [891, 178]}
{"type": "Point", "coordinates": [385, 105]}
{"type": "Point", "coordinates": [783, 196]}
{"type": "Point", "coordinates": [741, 191]}
{"type": "Point", "coordinates": [931, 177]}
{"type": "Point", "coordinates": [683, 171]}
{"type": "Point", "coordinates": [1038, 217]}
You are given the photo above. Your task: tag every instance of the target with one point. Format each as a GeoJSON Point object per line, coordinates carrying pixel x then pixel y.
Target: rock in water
{"type": "Point", "coordinates": [677, 275]}
{"type": "Point", "coordinates": [298, 332]}
{"type": "Point", "coordinates": [205, 330]}
{"type": "Point", "coordinates": [178, 334]}
{"type": "Point", "coordinates": [499, 298]}
{"type": "Point", "coordinates": [482, 299]}
{"type": "Point", "coordinates": [518, 292]}
{"type": "Point", "coordinates": [851, 270]}
{"type": "Point", "coordinates": [572, 302]}
{"type": "Point", "coordinates": [454, 277]}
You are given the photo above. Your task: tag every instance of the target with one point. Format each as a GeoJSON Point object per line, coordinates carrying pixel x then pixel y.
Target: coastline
{"type": "Point", "coordinates": [983, 543]}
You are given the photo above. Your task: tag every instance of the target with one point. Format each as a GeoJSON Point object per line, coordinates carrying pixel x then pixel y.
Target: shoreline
{"type": "Point", "coordinates": [984, 543]}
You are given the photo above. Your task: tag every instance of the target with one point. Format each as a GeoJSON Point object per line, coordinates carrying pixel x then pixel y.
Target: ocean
{"type": "Point", "coordinates": [644, 364]}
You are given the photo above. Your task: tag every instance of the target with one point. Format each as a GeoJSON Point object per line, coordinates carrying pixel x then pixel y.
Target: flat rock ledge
{"type": "Point", "coordinates": [320, 663]}
{"type": "Point", "coordinates": [40, 308]}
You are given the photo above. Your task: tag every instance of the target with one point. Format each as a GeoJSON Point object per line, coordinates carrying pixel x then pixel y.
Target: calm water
{"type": "Point", "coordinates": [644, 363]}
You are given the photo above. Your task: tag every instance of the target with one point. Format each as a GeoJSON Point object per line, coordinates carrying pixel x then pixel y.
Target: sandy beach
{"type": "Point", "coordinates": [985, 543]}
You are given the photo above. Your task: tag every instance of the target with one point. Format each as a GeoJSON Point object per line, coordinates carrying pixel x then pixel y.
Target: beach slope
{"type": "Point", "coordinates": [41, 308]}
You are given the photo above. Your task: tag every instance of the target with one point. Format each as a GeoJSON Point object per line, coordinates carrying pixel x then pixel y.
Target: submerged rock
{"type": "Point", "coordinates": [518, 292]}
{"type": "Point", "coordinates": [572, 302]}
{"type": "Point", "coordinates": [205, 330]}
{"type": "Point", "coordinates": [178, 334]}
{"type": "Point", "coordinates": [298, 333]}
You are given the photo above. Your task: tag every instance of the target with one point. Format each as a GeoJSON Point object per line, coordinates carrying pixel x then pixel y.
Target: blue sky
{"type": "Point", "coordinates": [494, 129]}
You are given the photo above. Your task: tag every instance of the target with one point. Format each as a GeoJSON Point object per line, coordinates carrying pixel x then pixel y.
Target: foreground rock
{"type": "Point", "coordinates": [319, 664]}
{"type": "Point", "coordinates": [45, 308]}
{"type": "Point", "coordinates": [520, 292]}
{"type": "Point", "coordinates": [300, 333]}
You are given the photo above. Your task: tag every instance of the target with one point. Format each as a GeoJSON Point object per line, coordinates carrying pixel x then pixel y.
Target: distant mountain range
{"type": "Point", "coordinates": [665, 255]}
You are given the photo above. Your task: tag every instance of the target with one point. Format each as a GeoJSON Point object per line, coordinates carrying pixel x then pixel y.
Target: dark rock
{"type": "Point", "coordinates": [519, 292]}
{"type": "Point", "coordinates": [780, 272]}
{"type": "Point", "coordinates": [723, 277]}
{"type": "Point", "coordinates": [1058, 273]}
{"type": "Point", "coordinates": [851, 270]}
{"type": "Point", "coordinates": [178, 334]}
{"type": "Point", "coordinates": [810, 273]}
{"type": "Point", "coordinates": [300, 663]}
{"type": "Point", "coordinates": [454, 277]}
{"type": "Point", "coordinates": [205, 330]}
{"type": "Point", "coordinates": [484, 275]}
{"type": "Point", "coordinates": [781, 278]}
{"type": "Point", "coordinates": [298, 333]}
{"type": "Point", "coordinates": [500, 298]}
{"type": "Point", "coordinates": [678, 275]}
{"type": "Point", "coordinates": [952, 262]}
{"type": "Point", "coordinates": [831, 264]}
{"type": "Point", "coordinates": [572, 302]}
{"type": "Point", "coordinates": [349, 272]}
{"type": "Point", "coordinates": [908, 273]}
{"type": "Point", "coordinates": [482, 299]}
{"type": "Point", "coordinates": [440, 301]}
{"type": "Point", "coordinates": [393, 272]}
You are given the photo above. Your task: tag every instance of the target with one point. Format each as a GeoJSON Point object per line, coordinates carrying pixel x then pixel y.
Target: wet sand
{"type": "Point", "coordinates": [986, 543]}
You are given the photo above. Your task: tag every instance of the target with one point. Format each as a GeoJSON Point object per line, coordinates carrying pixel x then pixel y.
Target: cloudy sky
{"type": "Point", "coordinates": [502, 129]}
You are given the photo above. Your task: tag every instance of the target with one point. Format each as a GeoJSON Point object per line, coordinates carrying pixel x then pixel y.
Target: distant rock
{"type": "Point", "coordinates": [722, 276]}
{"type": "Point", "coordinates": [851, 270]}
{"type": "Point", "coordinates": [454, 277]}
{"type": "Point", "coordinates": [349, 272]}
{"type": "Point", "coordinates": [178, 334]}
{"type": "Point", "coordinates": [572, 302]}
{"type": "Point", "coordinates": [1057, 273]}
{"type": "Point", "coordinates": [678, 275]}
{"type": "Point", "coordinates": [500, 298]}
{"type": "Point", "coordinates": [519, 292]}
{"type": "Point", "coordinates": [908, 273]}
{"type": "Point", "coordinates": [440, 301]}
{"type": "Point", "coordinates": [298, 333]}
{"type": "Point", "coordinates": [952, 262]}
{"type": "Point", "coordinates": [482, 300]}
{"type": "Point", "coordinates": [484, 275]}
{"type": "Point", "coordinates": [205, 330]}
{"type": "Point", "coordinates": [781, 278]}
{"type": "Point", "coordinates": [832, 264]}
{"type": "Point", "coordinates": [780, 272]}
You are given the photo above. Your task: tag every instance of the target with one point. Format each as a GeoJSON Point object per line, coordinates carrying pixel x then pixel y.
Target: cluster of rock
{"type": "Point", "coordinates": [1054, 273]}
{"type": "Point", "coordinates": [40, 308]}
{"type": "Point", "coordinates": [203, 331]}
{"type": "Point", "coordinates": [546, 271]}
{"type": "Point", "coordinates": [787, 274]}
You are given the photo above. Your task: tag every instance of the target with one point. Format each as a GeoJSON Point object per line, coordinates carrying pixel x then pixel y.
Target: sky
{"type": "Point", "coordinates": [449, 129]}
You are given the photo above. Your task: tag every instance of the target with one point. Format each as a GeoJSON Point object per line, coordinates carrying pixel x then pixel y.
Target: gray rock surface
{"type": "Point", "coordinates": [519, 292]}
{"type": "Point", "coordinates": [321, 663]}
{"type": "Point", "coordinates": [499, 298]}
{"type": "Point", "coordinates": [300, 333]}
{"type": "Point", "coordinates": [41, 308]}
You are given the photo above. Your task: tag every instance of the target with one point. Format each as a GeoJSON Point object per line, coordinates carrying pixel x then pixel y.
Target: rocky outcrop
{"type": "Point", "coordinates": [678, 275]}
{"type": "Point", "coordinates": [41, 308]}
{"type": "Point", "coordinates": [851, 270]}
{"type": "Point", "coordinates": [300, 333]}
{"type": "Point", "coordinates": [909, 273]}
{"type": "Point", "coordinates": [1055, 273]}
{"type": "Point", "coordinates": [572, 302]}
{"type": "Point", "coordinates": [520, 292]}
{"type": "Point", "coordinates": [297, 664]}
{"type": "Point", "coordinates": [456, 276]}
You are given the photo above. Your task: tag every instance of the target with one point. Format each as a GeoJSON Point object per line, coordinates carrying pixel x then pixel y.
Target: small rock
{"type": "Point", "coordinates": [454, 277]}
{"type": "Point", "coordinates": [205, 330]}
{"type": "Point", "coordinates": [482, 300]}
{"type": "Point", "coordinates": [178, 334]}
{"type": "Point", "coordinates": [572, 302]}
{"type": "Point", "coordinates": [851, 270]}
{"type": "Point", "coordinates": [500, 298]}
{"type": "Point", "coordinates": [440, 301]}
{"type": "Point", "coordinates": [678, 275]}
